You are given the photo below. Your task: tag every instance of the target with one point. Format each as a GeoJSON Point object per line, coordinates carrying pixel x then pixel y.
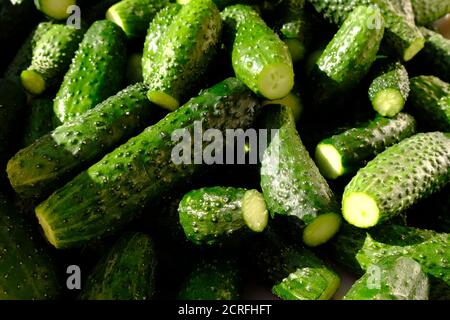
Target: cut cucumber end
{"type": "Point", "coordinates": [334, 282]}
{"type": "Point", "coordinates": [48, 232]}
{"type": "Point", "coordinates": [360, 210]}
{"type": "Point", "coordinates": [276, 81]}
{"type": "Point", "coordinates": [255, 213]}
{"type": "Point", "coordinates": [163, 100]}
{"type": "Point", "coordinates": [388, 102]}
{"type": "Point", "coordinates": [56, 9]}
{"type": "Point", "coordinates": [296, 48]}
{"type": "Point", "coordinates": [415, 47]}
{"type": "Point", "coordinates": [33, 82]}
{"type": "Point", "coordinates": [291, 101]}
{"type": "Point", "coordinates": [329, 161]}
{"type": "Point", "coordinates": [321, 229]}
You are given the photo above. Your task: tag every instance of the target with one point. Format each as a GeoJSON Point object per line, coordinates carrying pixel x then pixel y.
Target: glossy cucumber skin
{"type": "Point", "coordinates": [428, 11]}
{"type": "Point", "coordinates": [126, 272]}
{"type": "Point", "coordinates": [53, 159]}
{"type": "Point", "coordinates": [96, 72]}
{"type": "Point", "coordinates": [112, 192]}
{"type": "Point", "coordinates": [39, 121]}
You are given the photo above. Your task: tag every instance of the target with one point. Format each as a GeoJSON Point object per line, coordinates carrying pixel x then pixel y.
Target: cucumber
{"type": "Point", "coordinates": [430, 102]}
{"type": "Point", "coordinates": [113, 191]}
{"type": "Point", "coordinates": [215, 279]}
{"type": "Point", "coordinates": [126, 272]}
{"type": "Point", "coordinates": [26, 269]}
{"type": "Point", "coordinates": [155, 33]}
{"type": "Point", "coordinates": [100, 61]}
{"type": "Point", "coordinates": [211, 215]}
{"type": "Point", "coordinates": [427, 11]}
{"type": "Point", "coordinates": [405, 8]}
{"type": "Point", "coordinates": [349, 151]}
{"type": "Point", "coordinates": [134, 16]}
{"type": "Point", "coordinates": [93, 11]}
{"type": "Point", "coordinates": [349, 55]}
{"type": "Point", "coordinates": [398, 278]}
{"type": "Point", "coordinates": [56, 9]}
{"type": "Point", "coordinates": [260, 58]}
{"type": "Point", "coordinates": [397, 178]}
{"type": "Point", "coordinates": [221, 4]}
{"type": "Point", "coordinates": [291, 183]}
{"type": "Point", "coordinates": [389, 89]}
{"type": "Point", "coordinates": [184, 53]}
{"type": "Point", "coordinates": [39, 121]}
{"type": "Point", "coordinates": [292, 101]}
{"type": "Point", "coordinates": [53, 159]}
{"type": "Point", "coordinates": [51, 57]}
{"type": "Point", "coordinates": [134, 68]}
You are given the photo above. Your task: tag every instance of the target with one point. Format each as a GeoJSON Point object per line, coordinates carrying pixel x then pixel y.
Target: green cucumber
{"type": "Point", "coordinates": [221, 4]}
{"type": "Point", "coordinates": [291, 183]}
{"type": "Point", "coordinates": [428, 11]}
{"type": "Point", "coordinates": [349, 151]}
{"type": "Point", "coordinates": [126, 272]}
{"type": "Point", "coordinates": [52, 55]}
{"type": "Point", "coordinates": [96, 72]}
{"type": "Point", "coordinates": [397, 178]}
{"type": "Point", "coordinates": [50, 161]}
{"type": "Point", "coordinates": [39, 121]}
{"type": "Point", "coordinates": [349, 55]}
{"type": "Point", "coordinates": [405, 8]}
{"type": "Point", "coordinates": [134, 68]}
{"type": "Point", "coordinates": [218, 279]}
{"type": "Point", "coordinates": [27, 273]}
{"type": "Point", "coordinates": [112, 192]}
{"type": "Point", "coordinates": [398, 278]}
{"type": "Point", "coordinates": [260, 58]}
{"type": "Point", "coordinates": [430, 102]}
{"type": "Point", "coordinates": [134, 16]}
{"type": "Point", "coordinates": [210, 215]}
{"type": "Point", "coordinates": [184, 53]}
{"type": "Point", "coordinates": [56, 9]}
{"type": "Point", "coordinates": [389, 89]}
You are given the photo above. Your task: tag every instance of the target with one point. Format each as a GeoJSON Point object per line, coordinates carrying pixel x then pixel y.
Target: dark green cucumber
{"type": "Point", "coordinates": [389, 89]}
{"type": "Point", "coordinates": [295, 273]}
{"type": "Point", "coordinates": [184, 53]}
{"type": "Point", "coordinates": [52, 55]}
{"type": "Point", "coordinates": [134, 68]}
{"type": "Point", "coordinates": [50, 161]}
{"type": "Point", "coordinates": [291, 183]}
{"type": "Point", "coordinates": [349, 151]}
{"type": "Point", "coordinates": [113, 191]}
{"type": "Point", "coordinates": [155, 33]}
{"type": "Point", "coordinates": [397, 178]}
{"type": "Point", "coordinates": [56, 9]}
{"type": "Point", "coordinates": [126, 272]}
{"type": "Point", "coordinates": [218, 279]}
{"type": "Point", "coordinates": [39, 121]}
{"type": "Point", "coordinates": [349, 55]}
{"type": "Point", "coordinates": [134, 16]}
{"type": "Point", "coordinates": [430, 102]}
{"type": "Point", "coordinates": [27, 273]}
{"type": "Point", "coordinates": [260, 58]}
{"type": "Point", "coordinates": [209, 215]}
{"type": "Point", "coordinates": [392, 278]}
{"type": "Point", "coordinates": [221, 4]}
{"type": "Point", "coordinates": [96, 73]}
{"type": "Point", "coordinates": [428, 11]}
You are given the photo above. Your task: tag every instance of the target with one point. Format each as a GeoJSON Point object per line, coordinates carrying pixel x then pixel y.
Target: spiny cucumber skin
{"type": "Point", "coordinates": [50, 161]}
{"type": "Point", "coordinates": [186, 50]}
{"type": "Point", "coordinates": [430, 102]}
{"type": "Point", "coordinates": [26, 271]}
{"type": "Point", "coordinates": [212, 280]}
{"type": "Point", "coordinates": [112, 192]}
{"type": "Point", "coordinates": [39, 121]}
{"type": "Point", "coordinates": [391, 279]}
{"type": "Point", "coordinates": [96, 72]}
{"type": "Point", "coordinates": [358, 145]}
{"type": "Point", "coordinates": [404, 173]}
{"type": "Point", "coordinates": [127, 272]}
{"type": "Point", "coordinates": [428, 11]}
{"type": "Point", "coordinates": [155, 32]}
{"type": "Point", "coordinates": [349, 55]}
{"type": "Point", "coordinates": [222, 4]}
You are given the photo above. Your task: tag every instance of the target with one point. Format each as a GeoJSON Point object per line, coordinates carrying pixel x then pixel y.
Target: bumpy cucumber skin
{"type": "Point", "coordinates": [212, 280]}
{"type": "Point", "coordinates": [430, 102]}
{"type": "Point", "coordinates": [404, 173]}
{"type": "Point", "coordinates": [39, 121]}
{"type": "Point", "coordinates": [358, 145]}
{"type": "Point", "coordinates": [96, 73]}
{"type": "Point", "coordinates": [349, 55]}
{"type": "Point", "coordinates": [113, 191]}
{"type": "Point", "coordinates": [127, 272]}
{"type": "Point", "coordinates": [155, 32]}
{"type": "Point", "coordinates": [186, 50]}
{"type": "Point", "coordinates": [428, 11]}
{"type": "Point", "coordinates": [392, 279]}
{"type": "Point", "coordinates": [26, 271]}
{"type": "Point", "coordinates": [436, 54]}
{"type": "Point", "coordinates": [53, 52]}
{"type": "Point", "coordinates": [50, 161]}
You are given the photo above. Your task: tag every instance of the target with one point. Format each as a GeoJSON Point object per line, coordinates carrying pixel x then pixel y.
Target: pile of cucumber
{"type": "Point", "coordinates": [99, 200]}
